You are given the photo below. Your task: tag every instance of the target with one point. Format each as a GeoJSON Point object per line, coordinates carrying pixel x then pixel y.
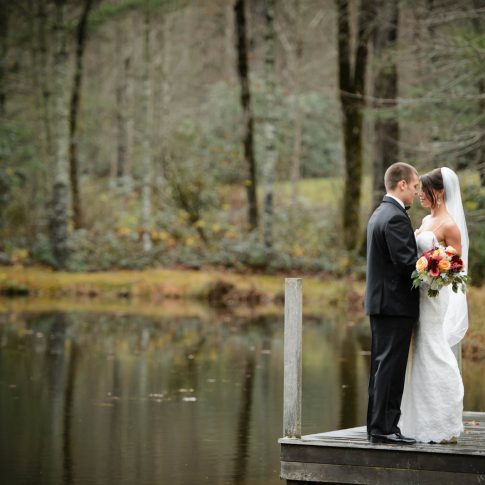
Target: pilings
{"type": "Point", "coordinates": [292, 358]}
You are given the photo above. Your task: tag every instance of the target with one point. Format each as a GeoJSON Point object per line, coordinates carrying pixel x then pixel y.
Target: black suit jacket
{"type": "Point", "coordinates": [391, 258]}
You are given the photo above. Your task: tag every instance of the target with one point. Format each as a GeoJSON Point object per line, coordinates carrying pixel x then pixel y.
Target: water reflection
{"type": "Point", "coordinates": [244, 420]}
{"type": "Point", "coordinates": [120, 398]}
{"type": "Point", "coordinates": [348, 376]}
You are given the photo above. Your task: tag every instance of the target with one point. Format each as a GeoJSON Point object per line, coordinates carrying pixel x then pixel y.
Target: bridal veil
{"type": "Point", "coordinates": [455, 324]}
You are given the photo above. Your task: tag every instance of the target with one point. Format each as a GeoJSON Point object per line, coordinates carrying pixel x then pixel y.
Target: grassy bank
{"type": "Point", "coordinates": [182, 291]}
{"type": "Point", "coordinates": [215, 286]}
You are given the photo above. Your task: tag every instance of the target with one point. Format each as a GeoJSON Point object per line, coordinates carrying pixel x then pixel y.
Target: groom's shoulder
{"type": "Point", "coordinates": [385, 213]}
{"type": "Point", "coordinates": [387, 209]}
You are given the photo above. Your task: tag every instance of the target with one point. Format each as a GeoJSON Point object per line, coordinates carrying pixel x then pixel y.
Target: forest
{"type": "Point", "coordinates": [241, 134]}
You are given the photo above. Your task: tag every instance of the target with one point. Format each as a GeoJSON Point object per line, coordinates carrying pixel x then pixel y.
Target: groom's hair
{"type": "Point", "coordinates": [397, 172]}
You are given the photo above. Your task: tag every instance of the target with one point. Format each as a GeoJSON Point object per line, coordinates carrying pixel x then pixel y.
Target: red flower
{"type": "Point", "coordinates": [434, 271]}
{"type": "Point", "coordinates": [456, 265]}
{"type": "Point", "coordinates": [456, 258]}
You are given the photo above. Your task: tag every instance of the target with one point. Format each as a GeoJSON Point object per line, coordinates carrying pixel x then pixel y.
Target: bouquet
{"type": "Point", "coordinates": [440, 267]}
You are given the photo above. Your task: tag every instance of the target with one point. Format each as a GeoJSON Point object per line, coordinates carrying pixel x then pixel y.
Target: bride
{"type": "Point", "coordinates": [432, 403]}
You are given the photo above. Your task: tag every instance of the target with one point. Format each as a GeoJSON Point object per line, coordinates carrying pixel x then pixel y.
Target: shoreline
{"type": "Point", "coordinates": [180, 291]}
{"type": "Point", "coordinates": [213, 286]}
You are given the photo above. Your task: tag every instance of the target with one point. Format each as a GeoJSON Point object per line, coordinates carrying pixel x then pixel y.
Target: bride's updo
{"type": "Point", "coordinates": [431, 183]}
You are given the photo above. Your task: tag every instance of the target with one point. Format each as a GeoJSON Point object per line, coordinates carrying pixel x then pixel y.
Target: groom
{"type": "Point", "coordinates": [390, 302]}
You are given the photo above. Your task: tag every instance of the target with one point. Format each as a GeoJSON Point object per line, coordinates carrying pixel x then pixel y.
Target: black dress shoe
{"type": "Point", "coordinates": [411, 440]}
{"type": "Point", "coordinates": [394, 438]}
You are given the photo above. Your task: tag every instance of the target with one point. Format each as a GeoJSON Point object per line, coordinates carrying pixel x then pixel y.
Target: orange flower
{"type": "Point", "coordinates": [450, 250]}
{"type": "Point", "coordinates": [444, 265]}
{"type": "Point", "coordinates": [421, 263]}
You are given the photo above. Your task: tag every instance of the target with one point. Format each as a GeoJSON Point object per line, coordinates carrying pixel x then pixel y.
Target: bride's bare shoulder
{"type": "Point", "coordinates": [451, 234]}
{"type": "Point", "coordinates": [450, 228]}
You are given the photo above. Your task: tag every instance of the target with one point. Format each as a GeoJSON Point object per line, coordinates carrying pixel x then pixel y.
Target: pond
{"type": "Point", "coordinates": [125, 397]}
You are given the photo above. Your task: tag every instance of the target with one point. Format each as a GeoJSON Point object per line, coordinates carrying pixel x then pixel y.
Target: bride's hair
{"type": "Point", "coordinates": [430, 183]}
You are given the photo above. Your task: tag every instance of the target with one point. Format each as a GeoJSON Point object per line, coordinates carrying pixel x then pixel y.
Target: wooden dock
{"type": "Point", "coordinates": [346, 456]}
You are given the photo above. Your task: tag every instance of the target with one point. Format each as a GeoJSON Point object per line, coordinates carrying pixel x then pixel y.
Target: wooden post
{"type": "Point", "coordinates": [292, 358]}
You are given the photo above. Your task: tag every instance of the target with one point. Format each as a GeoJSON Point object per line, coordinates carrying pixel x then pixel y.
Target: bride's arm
{"type": "Point", "coordinates": [452, 236]}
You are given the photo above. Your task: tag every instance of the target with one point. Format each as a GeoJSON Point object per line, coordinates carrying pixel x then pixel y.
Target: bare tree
{"type": "Point", "coordinates": [479, 27]}
{"type": "Point", "coordinates": [452, 79]}
{"type": "Point", "coordinates": [81, 36]}
{"type": "Point", "coordinates": [123, 114]}
{"type": "Point", "coordinates": [296, 69]}
{"type": "Point", "coordinates": [248, 123]}
{"type": "Point", "coordinates": [129, 114]}
{"type": "Point", "coordinates": [146, 143]}
{"type": "Point", "coordinates": [269, 125]}
{"type": "Point", "coordinates": [229, 23]}
{"type": "Point", "coordinates": [292, 42]}
{"type": "Point", "coordinates": [59, 219]}
{"type": "Point", "coordinates": [386, 126]}
{"type": "Point", "coordinates": [351, 90]}
{"type": "Point", "coordinates": [3, 52]}
{"type": "Point", "coordinates": [166, 94]}
{"type": "Point", "coordinates": [43, 80]}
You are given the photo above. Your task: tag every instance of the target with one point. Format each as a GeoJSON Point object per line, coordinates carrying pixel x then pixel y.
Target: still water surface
{"type": "Point", "coordinates": [123, 398]}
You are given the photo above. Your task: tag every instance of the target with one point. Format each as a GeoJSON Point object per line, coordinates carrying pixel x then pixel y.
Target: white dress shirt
{"type": "Point", "coordinates": [401, 203]}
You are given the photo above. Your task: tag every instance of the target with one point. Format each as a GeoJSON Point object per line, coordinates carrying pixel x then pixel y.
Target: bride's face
{"type": "Point", "coordinates": [423, 199]}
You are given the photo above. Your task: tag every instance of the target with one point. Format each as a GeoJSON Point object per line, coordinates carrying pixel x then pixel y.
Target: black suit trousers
{"type": "Point", "coordinates": [391, 337]}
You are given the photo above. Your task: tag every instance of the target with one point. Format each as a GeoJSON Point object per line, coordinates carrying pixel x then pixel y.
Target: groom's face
{"type": "Point", "coordinates": [410, 190]}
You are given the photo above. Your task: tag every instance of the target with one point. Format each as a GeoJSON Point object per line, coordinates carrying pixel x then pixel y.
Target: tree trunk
{"type": "Point", "coordinates": [295, 76]}
{"type": "Point", "coordinates": [248, 123]}
{"type": "Point", "coordinates": [293, 47]}
{"type": "Point", "coordinates": [269, 126]}
{"type": "Point", "coordinates": [44, 77]}
{"type": "Point", "coordinates": [166, 96]}
{"type": "Point", "coordinates": [478, 25]}
{"type": "Point", "coordinates": [59, 220]}
{"type": "Point", "coordinates": [352, 90]}
{"type": "Point", "coordinates": [229, 23]}
{"type": "Point", "coordinates": [3, 53]}
{"type": "Point", "coordinates": [481, 147]}
{"type": "Point", "coordinates": [74, 112]}
{"type": "Point", "coordinates": [121, 109]}
{"type": "Point", "coordinates": [129, 116]}
{"type": "Point", "coordinates": [386, 127]}
{"type": "Point", "coordinates": [146, 144]}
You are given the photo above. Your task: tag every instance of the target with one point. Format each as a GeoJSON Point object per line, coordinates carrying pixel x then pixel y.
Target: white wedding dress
{"type": "Point", "coordinates": [432, 403]}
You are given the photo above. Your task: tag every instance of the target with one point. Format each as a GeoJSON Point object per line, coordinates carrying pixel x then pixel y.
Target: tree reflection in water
{"type": "Point", "coordinates": [348, 377]}
{"type": "Point", "coordinates": [104, 398]}
{"type": "Point", "coordinates": [244, 420]}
